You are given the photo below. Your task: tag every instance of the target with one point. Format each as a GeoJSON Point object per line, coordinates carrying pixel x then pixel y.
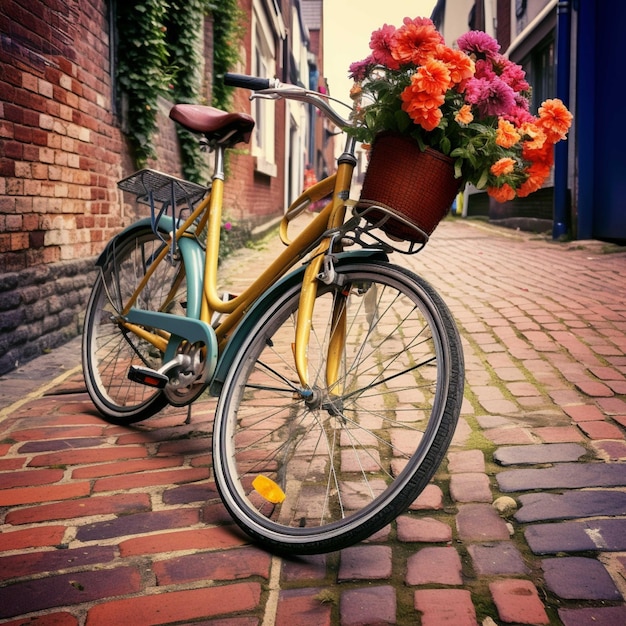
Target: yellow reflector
{"type": "Point", "coordinates": [268, 489]}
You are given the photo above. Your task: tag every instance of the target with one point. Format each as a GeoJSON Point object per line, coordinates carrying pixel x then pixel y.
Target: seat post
{"type": "Point", "coordinates": [219, 161]}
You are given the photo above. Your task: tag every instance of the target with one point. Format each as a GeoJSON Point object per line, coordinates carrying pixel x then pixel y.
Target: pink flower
{"type": "Point", "coordinates": [484, 69]}
{"type": "Point", "coordinates": [360, 69]}
{"type": "Point", "coordinates": [381, 44]}
{"type": "Point", "coordinates": [480, 44]}
{"type": "Point", "coordinates": [228, 226]}
{"type": "Point", "coordinates": [514, 76]}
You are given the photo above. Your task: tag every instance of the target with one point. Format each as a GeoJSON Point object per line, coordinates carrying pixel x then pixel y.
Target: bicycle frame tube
{"type": "Point", "coordinates": [205, 300]}
{"type": "Point", "coordinates": [309, 285]}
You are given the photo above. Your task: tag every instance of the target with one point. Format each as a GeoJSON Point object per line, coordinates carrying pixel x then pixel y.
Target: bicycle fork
{"type": "Point", "coordinates": [321, 269]}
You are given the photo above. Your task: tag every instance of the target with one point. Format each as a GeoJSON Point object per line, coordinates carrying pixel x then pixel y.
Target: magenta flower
{"type": "Point", "coordinates": [514, 76]}
{"type": "Point", "coordinates": [480, 44]}
{"type": "Point", "coordinates": [228, 226]}
{"type": "Point", "coordinates": [360, 69]}
{"type": "Point", "coordinates": [491, 97]}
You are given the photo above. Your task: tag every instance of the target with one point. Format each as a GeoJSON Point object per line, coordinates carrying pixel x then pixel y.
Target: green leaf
{"type": "Point", "coordinates": [482, 181]}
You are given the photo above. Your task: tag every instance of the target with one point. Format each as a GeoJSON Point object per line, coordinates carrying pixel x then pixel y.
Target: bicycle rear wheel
{"type": "Point", "coordinates": [316, 475]}
{"type": "Point", "coordinates": [108, 349]}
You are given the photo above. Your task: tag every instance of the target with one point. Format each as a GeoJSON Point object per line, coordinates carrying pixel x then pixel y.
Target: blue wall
{"type": "Point", "coordinates": [600, 121]}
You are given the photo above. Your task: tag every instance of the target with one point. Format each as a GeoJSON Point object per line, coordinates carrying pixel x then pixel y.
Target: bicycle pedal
{"type": "Point", "coordinates": [147, 376]}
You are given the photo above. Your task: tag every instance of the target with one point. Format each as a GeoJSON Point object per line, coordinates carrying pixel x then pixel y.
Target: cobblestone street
{"type": "Point", "coordinates": [524, 523]}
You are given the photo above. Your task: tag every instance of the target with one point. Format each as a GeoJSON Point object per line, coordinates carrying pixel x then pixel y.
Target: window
{"type": "Point", "coordinates": [539, 67]}
{"type": "Point", "coordinates": [263, 64]}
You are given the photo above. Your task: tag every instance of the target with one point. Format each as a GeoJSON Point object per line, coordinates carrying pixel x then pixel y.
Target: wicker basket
{"type": "Point", "coordinates": [414, 185]}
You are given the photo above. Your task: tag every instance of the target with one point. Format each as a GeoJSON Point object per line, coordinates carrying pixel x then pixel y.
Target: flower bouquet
{"type": "Point", "coordinates": [468, 105]}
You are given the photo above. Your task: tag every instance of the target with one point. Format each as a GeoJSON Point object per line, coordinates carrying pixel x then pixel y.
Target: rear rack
{"type": "Point", "coordinates": [150, 186]}
{"type": "Point", "coordinates": [164, 194]}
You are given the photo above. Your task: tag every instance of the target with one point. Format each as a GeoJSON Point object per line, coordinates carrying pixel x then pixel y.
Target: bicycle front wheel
{"type": "Point", "coordinates": [108, 349]}
{"type": "Point", "coordinates": [317, 474]}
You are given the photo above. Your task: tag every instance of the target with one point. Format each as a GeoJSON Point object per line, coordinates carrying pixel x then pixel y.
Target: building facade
{"type": "Point", "coordinates": [565, 48]}
{"type": "Point", "coordinates": [63, 147]}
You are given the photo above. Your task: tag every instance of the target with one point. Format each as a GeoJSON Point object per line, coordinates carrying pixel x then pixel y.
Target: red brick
{"type": "Point", "coordinates": [518, 601]}
{"type": "Point", "coordinates": [369, 605]}
{"type": "Point", "coordinates": [56, 433]}
{"type": "Point", "coordinates": [119, 504]}
{"type": "Point", "coordinates": [67, 589]}
{"type": "Point", "coordinates": [33, 563]}
{"type": "Point", "coordinates": [612, 406]}
{"type": "Point", "coordinates": [601, 430]}
{"type": "Point", "coordinates": [584, 413]}
{"type": "Point", "coordinates": [31, 538]}
{"type": "Point", "coordinates": [125, 467]}
{"type": "Point", "coordinates": [466, 461]}
{"type": "Point", "coordinates": [470, 487]}
{"type": "Point", "coordinates": [594, 389]}
{"type": "Point", "coordinates": [445, 607]}
{"type": "Point", "coordinates": [304, 568]}
{"type": "Point", "coordinates": [558, 434]}
{"type": "Point", "coordinates": [480, 522]}
{"type": "Point", "coordinates": [222, 565]}
{"type": "Point", "coordinates": [11, 464]}
{"type": "Point", "coordinates": [424, 529]}
{"type": "Point", "coordinates": [30, 478]}
{"type": "Point", "coordinates": [365, 562]}
{"type": "Point", "coordinates": [509, 435]}
{"type": "Point", "coordinates": [217, 538]}
{"type": "Point", "coordinates": [178, 606]}
{"type": "Point", "coordinates": [30, 495]}
{"type": "Point", "coordinates": [302, 606]}
{"type": "Point", "coordinates": [149, 479]}
{"type": "Point", "coordinates": [434, 565]}
{"type": "Point", "coordinates": [51, 619]}
{"type": "Point", "coordinates": [88, 456]}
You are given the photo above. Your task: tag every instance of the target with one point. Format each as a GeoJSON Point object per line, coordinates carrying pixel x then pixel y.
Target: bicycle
{"type": "Point", "coordinates": [339, 375]}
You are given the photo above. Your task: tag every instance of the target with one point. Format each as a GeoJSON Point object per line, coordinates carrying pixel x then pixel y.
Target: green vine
{"type": "Point", "coordinates": [228, 32]}
{"type": "Point", "coordinates": [159, 54]}
{"type": "Point", "coordinates": [142, 62]}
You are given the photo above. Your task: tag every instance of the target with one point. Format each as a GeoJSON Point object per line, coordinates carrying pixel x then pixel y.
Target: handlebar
{"type": "Point", "coordinates": [273, 89]}
{"type": "Point", "coordinates": [246, 82]}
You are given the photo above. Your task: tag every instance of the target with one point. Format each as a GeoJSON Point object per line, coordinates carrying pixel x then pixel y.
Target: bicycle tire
{"type": "Point", "coordinates": [350, 465]}
{"type": "Point", "coordinates": [108, 350]}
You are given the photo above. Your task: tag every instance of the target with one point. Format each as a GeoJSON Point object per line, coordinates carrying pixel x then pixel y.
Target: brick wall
{"type": "Point", "coordinates": [61, 154]}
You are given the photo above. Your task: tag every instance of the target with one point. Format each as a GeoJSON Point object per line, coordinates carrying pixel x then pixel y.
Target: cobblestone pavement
{"type": "Point", "coordinates": [108, 525]}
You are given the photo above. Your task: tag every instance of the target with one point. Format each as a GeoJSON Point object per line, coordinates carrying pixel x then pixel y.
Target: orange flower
{"type": "Point", "coordinates": [432, 78]}
{"type": "Point", "coordinates": [537, 136]}
{"type": "Point", "coordinates": [503, 166]}
{"type": "Point", "coordinates": [554, 119]}
{"type": "Point", "coordinates": [543, 155]}
{"type": "Point", "coordinates": [356, 91]}
{"type": "Point", "coordinates": [415, 42]}
{"type": "Point", "coordinates": [461, 67]}
{"type": "Point", "coordinates": [421, 107]}
{"type": "Point", "coordinates": [506, 135]}
{"type": "Point", "coordinates": [464, 116]}
{"type": "Point", "coordinates": [537, 174]}
{"type": "Point", "coordinates": [502, 194]}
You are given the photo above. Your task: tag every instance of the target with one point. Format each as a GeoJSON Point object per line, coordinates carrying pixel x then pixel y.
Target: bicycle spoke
{"type": "Point", "coordinates": [360, 446]}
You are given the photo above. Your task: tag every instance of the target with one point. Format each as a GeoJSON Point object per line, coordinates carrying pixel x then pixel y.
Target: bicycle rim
{"type": "Point", "coordinates": [108, 349]}
{"type": "Point", "coordinates": [305, 477]}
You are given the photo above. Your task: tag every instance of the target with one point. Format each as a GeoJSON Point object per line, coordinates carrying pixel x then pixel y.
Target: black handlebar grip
{"type": "Point", "coordinates": [246, 82]}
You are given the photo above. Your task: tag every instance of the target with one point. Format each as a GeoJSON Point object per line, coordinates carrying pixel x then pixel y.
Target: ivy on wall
{"type": "Point", "coordinates": [159, 53]}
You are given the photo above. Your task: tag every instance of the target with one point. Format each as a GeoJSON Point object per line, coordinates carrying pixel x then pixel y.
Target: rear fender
{"type": "Point", "coordinates": [192, 253]}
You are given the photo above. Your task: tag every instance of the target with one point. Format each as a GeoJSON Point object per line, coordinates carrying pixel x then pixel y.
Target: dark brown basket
{"type": "Point", "coordinates": [414, 185]}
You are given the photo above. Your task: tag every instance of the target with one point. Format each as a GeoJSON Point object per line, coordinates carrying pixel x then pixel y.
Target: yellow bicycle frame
{"type": "Point", "coordinates": [209, 213]}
